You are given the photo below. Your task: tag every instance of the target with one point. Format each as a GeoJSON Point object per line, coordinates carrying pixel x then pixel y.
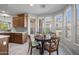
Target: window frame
{"type": "Point", "coordinates": [60, 14]}
{"type": "Point", "coordinates": [69, 38]}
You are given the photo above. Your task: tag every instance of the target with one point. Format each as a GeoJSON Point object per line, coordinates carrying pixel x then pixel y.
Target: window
{"type": "Point", "coordinates": [68, 20]}
{"type": "Point", "coordinates": [4, 26]}
{"type": "Point", "coordinates": [59, 22]}
{"type": "Point", "coordinates": [48, 24]}
{"type": "Point", "coordinates": [77, 7]}
{"type": "Point", "coordinates": [32, 25]}
{"type": "Point", "coordinates": [41, 21]}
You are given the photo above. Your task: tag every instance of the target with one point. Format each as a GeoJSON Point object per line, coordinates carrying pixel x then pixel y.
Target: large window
{"type": "Point", "coordinates": [4, 26]}
{"type": "Point", "coordinates": [59, 22]}
{"type": "Point", "coordinates": [48, 24]}
{"type": "Point", "coordinates": [41, 22]}
{"type": "Point", "coordinates": [77, 7]}
{"type": "Point", "coordinates": [69, 22]}
{"type": "Point", "coordinates": [32, 25]}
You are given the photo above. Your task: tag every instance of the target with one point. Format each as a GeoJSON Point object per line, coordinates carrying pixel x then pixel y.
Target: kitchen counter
{"type": "Point", "coordinates": [16, 37]}
{"type": "Point", "coordinates": [4, 36]}
{"type": "Point", "coordinates": [13, 32]}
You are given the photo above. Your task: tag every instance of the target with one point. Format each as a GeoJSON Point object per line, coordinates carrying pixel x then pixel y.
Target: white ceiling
{"type": "Point", "coordinates": [14, 9]}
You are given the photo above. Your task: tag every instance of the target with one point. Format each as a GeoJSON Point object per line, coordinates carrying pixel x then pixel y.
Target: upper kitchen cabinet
{"type": "Point", "coordinates": [20, 21]}
{"type": "Point", "coordinates": [15, 21]}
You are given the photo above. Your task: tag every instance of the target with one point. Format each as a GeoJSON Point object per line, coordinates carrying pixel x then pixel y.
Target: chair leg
{"type": "Point", "coordinates": [57, 52]}
{"type": "Point", "coordinates": [31, 51]}
{"type": "Point", "coordinates": [28, 49]}
{"type": "Point", "coordinates": [49, 53]}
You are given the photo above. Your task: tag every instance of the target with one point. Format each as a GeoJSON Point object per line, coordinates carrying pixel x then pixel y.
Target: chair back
{"type": "Point", "coordinates": [30, 41]}
{"type": "Point", "coordinates": [53, 34]}
{"type": "Point", "coordinates": [54, 42]}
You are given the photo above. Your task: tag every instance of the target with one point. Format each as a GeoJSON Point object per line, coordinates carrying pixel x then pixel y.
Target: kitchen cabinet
{"type": "Point", "coordinates": [4, 45]}
{"type": "Point", "coordinates": [11, 39]}
{"type": "Point", "coordinates": [20, 20]}
{"type": "Point", "coordinates": [15, 22]}
{"type": "Point", "coordinates": [17, 37]}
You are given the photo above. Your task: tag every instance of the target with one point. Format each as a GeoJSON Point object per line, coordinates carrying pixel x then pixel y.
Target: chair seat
{"type": "Point", "coordinates": [34, 43]}
{"type": "Point", "coordinates": [48, 44]}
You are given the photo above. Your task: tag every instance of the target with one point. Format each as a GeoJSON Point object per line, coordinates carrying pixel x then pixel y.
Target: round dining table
{"type": "Point", "coordinates": [42, 40]}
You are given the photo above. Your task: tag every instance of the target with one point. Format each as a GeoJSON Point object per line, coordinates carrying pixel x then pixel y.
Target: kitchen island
{"type": "Point", "coordinates": [16, 37]}
{"type": "Point", "coordinates": [4, 44]}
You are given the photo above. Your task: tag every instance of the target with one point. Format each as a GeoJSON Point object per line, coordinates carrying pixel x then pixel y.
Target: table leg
{"type": "Point", "coordinates": [42, 48]}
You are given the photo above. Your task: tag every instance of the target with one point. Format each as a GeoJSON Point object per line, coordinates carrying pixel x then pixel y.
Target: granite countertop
{"type": "Point", "coordinates": [13, 32]}
{"type": "Point", "coordinates": [17, 32]}
{"type": "Point", "coordinates": [4, 36]}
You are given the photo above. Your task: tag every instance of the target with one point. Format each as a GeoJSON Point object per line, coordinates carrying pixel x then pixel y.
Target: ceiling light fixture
{"type": "Point", "coordinates": [5, 15]}
{"type": "Point", "coordinates": [3, 11]}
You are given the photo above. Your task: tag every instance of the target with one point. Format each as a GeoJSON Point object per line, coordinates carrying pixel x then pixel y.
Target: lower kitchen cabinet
{"type": "Point", "coordinates": [16, 37]}
{"type": "Point", "coordinates": [11, 39]}
{"type": "Point", "coordinates": [4, 46]}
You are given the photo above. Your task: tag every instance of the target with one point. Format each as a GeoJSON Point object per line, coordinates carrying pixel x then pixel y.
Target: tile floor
{"type": "Point", "coordinates": [21, 49]}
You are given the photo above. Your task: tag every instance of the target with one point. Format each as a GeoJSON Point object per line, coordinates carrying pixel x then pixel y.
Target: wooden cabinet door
{"type": "Point", "coordinates": [4, 46]}
{"type": "Point", "coordinates": [15, 22]}
{"type": "Point", "coordinates": [18, 22]}
{"type": "Point", "coordinates": [18, 38]}
{"type": "Point", "coordinates": [21, 22]}
{"type": "Point", "coordinates": [11, 37]}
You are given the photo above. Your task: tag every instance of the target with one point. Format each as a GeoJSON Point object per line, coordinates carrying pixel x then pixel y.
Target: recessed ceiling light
{"type": "Point", "coordinates": [31, 5]}
{"type": "Point", "coordinates": [42, 6]}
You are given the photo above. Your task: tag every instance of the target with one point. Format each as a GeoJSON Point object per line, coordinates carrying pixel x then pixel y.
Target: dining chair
{"type": "Point", "coordinates": [53, 34]}
{"type": "Point", "coordinates": [32, 44]}
{"type": "Point", "coordinates": [53, 45]}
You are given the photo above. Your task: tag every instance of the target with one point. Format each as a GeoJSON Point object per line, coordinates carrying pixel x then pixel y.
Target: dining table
{"type": "Point", "coordinates": [42, 40]}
